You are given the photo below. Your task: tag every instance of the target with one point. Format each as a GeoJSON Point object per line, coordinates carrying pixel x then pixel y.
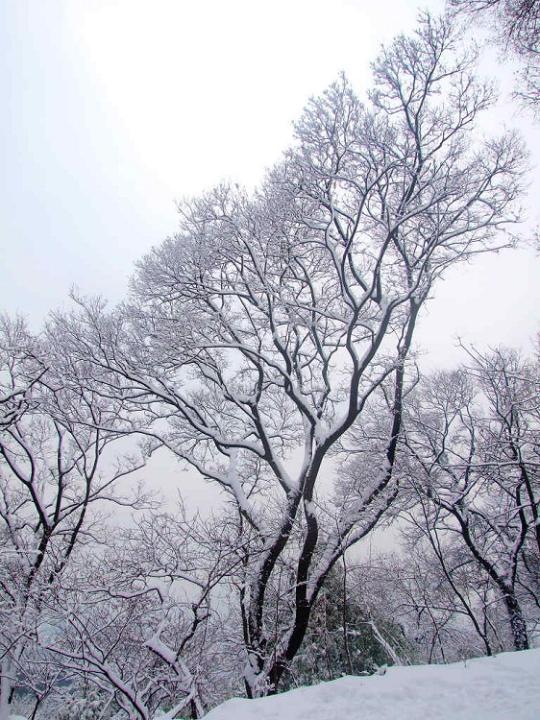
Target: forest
{"type": "Point", "coordinates": [367, 512]}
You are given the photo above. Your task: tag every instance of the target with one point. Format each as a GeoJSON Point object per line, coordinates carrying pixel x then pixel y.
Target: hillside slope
{"type": "Point", "coordinates": [505, 687]}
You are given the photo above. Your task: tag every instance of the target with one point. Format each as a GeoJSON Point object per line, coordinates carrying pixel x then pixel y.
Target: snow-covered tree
{"type": "Point", "coordinates": [473, 436]}
{"type": "Point", "coordinates": [515, 27]}
{"type": "Point", "coordinates": [136, 620]}
{"type": "Point", "coordinates": [53, 481]}
{"type": "Point", "coordinates": [259, 334]}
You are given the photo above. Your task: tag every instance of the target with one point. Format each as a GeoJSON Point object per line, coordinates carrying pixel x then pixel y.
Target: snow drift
{"type": "Point", "coordinates": [505, 687]}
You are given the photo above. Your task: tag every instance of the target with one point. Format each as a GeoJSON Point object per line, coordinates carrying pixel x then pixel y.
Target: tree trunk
{"type": "Point", "coordinates": [517, 622]}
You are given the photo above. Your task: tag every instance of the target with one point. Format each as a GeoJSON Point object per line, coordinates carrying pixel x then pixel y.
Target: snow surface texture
{"type": "Point", "coordinates": [505, 687]}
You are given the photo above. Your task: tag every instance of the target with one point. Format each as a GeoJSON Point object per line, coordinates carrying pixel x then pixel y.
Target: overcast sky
{"type": "Point", "coordinates": [114, 109]}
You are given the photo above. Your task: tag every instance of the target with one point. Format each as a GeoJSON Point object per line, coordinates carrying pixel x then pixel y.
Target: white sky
{"type": "Point", "coordinates": [113, 109]}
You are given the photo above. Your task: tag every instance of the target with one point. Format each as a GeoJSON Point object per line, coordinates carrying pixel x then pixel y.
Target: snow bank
{"type": "Point", "coordinates": [505, 687]}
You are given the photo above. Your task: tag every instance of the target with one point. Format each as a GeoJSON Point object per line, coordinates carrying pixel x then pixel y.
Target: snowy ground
{"type": "Point", "coordinates": [506, 687]}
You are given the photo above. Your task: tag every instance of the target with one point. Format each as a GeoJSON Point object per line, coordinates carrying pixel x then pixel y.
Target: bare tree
{"type": "Point", "coordinates": [439, 620]}
{"type": "Point", "coordinates": [458, 600]}
{"type": "Point", "coordinates": [52, 474]}
{"type": "Point", "coordinates": [260, 334]}
{"type": "Point", "coordinates": [515, 26]}
{"type": "Point", "coordinates": [473, 439]}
